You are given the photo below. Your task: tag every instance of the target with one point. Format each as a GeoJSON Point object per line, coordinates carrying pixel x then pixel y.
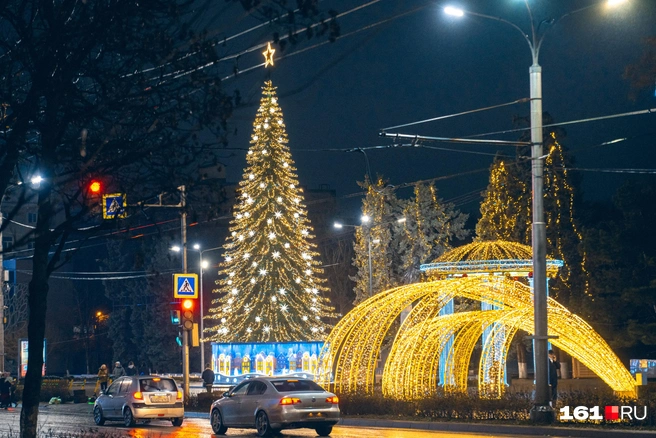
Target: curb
{"type": "Point", "coordinates": [481, 428]}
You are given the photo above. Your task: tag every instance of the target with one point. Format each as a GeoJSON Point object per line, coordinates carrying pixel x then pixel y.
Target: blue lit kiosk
{"type": "Point", "coordinates": [233, 362]}
{"type": "Point", "coordinates": [484, 259]}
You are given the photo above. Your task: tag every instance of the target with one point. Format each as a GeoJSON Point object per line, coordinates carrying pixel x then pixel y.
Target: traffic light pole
{"type": "Point", "coordinates": [185, 331]}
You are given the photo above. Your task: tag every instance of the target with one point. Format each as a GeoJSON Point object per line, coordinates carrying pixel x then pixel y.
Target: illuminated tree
{"type": "Point", "coordinates": [506, 208]}
{"type": "Point", "coordinates": [373, 240]}
{"type": "Point", "coordinates": [430, 226]}
{"type": "Point", "coordinates": [506, 214]}
{"type": "Point", "coordinates": [270, 286]}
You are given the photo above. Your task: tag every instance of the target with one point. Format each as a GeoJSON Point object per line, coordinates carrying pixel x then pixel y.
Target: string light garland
{"type": "Point", "coordinates": [269, 260]}
{"type": "Point", "coordinates": [348, 359]}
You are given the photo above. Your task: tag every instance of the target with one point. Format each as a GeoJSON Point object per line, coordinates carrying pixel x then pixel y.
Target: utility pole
{"type": "Point", "coordinates": [185, 333]}
{"type": "Point", "coordinates": [2, 304]}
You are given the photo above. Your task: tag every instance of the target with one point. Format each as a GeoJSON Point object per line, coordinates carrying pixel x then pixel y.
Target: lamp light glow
{"type": "Point", "coordinates": [455, 12]}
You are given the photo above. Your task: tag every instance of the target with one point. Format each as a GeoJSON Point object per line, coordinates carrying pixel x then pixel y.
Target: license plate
{"type": "Point", "coordinates": [159, 398]}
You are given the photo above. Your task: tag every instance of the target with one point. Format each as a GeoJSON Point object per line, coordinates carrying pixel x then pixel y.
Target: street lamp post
{"type": "Point", "coordinates": [367, 230]}
{"type": "Point", "coordinates": [541, 411]}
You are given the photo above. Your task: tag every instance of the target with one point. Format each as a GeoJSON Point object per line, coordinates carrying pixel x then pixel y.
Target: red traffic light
{"type": "Point", "coordinates": [188, 304]}
{"type": "Point", "coordinates": [95, 186]}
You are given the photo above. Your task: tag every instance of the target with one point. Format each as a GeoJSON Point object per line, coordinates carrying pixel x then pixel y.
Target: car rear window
{"type": "Point", "coordinates": [157, 384]}
{"type": "Point", "coordinates": [295, 385]}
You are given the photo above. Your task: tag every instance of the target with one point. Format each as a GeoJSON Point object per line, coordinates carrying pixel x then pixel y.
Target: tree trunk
{"type": "Point", "coordinates": [521, 360]}
{"type": "Point", "coordinates": [37, 302]}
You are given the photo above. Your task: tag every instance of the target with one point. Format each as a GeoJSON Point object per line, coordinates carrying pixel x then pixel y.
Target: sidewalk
{"type": "Point", "coordinates": [489, 428]}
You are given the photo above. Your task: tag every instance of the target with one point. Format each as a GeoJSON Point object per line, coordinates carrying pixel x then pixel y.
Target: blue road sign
{"type": "Point", "coordinates": [185, 286]}
{"type": "Point", "coordinates": [114, 206]}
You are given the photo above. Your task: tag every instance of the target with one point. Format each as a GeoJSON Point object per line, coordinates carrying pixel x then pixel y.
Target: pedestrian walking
{"type": "Point", "coordinates": [208, 377]}
{"type": "Point", "coordinates": [103, 377]}
{"type": "Point", "coordinates": [131, 370]}
{"type": "Point", "coordinates": [554, 367]}
{"type": "Point", "coordinates": [119, 371]}
{"type": "Point", "coordinates": [5, 391]}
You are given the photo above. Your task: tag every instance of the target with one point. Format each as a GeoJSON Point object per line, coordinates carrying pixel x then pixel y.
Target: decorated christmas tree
{"type": "Point", "coordinates": [270, 286]}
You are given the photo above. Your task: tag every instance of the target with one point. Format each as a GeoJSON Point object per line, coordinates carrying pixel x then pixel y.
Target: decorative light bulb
{"type": "Point", "coordinates": [262, 185]}
{"type": "Point", "coordinates": [246, 255]}
{"type": "Point", "coordinates": [279, 199]}
{"type": "Point", "coordinates": [274, 298]}
{"type": "Point", "coordinates": [223, 320]}
{"type": "Point", "coordinates": [249, 330]}
{"type": "Point", "coordinates": [263, 272]}
{"type": "Point", "coordinates": [305, 318]}
{"type": "Point", "coordinates": [251, 176]}
{"type": "Point", "coordinates": [269, 221]}
{"type": "Point", "coordinates": [298, 279]}
{"type": "Point", "coordinates": [251, 233]}
{"type": "Point", "coordinates": [285, 164]}
{"type": "Point", "coordinates": [308, 272]}
{"type": "Point", "coordinates": [254, 264]}
{"type": "Point", "coordinates": [234, 291]}
{"type": "Point", "coordinates": [255, 137]}
{"type": "Point", "coordinates": [229, 282]}
{"type": "Point", "coordinates": [228, 259]}
{"type": "Point", "coordinates": [253, 281]}
{"type": "Point", "coordinates": [283, 307]}
{"type": "Point", "coordinates": [258, 319]}
{"type": "Point", "coordinates": [278, 214]}
{"type": "Point", "coordinates": [267, 328]}
{"type": "Point", "coordinates": [272, 236]}
{"type": "Point", "coordinates": [234, 233]}
{"type": "Point", "coordinates": [250, 152]}
{"type": "Point", "coordinates": [282, 291]}
{"type": "Point", "coordinates": [232, 274]}
{"type": "Point", "coordinates": [276, 254]}
{"type": "Point", "coordinates": [286, 245]}
{"type": "Point", "coordinates": [280, 122]}
{"type": "Point", "coordinates": [295, 215]}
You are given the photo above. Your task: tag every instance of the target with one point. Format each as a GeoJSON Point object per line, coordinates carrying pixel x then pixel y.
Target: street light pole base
{"type": "Point", "coordinates": [541, 414]}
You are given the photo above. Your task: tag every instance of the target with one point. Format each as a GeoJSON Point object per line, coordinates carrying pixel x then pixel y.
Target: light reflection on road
{"type": "Point", "coordinates": [80, 424]}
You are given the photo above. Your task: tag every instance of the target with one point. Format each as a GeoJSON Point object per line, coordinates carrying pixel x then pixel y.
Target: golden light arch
{"type": "Point", "coordinates": [350, 354]}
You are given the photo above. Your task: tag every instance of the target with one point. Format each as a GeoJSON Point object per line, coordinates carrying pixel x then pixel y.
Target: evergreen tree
{"type": "Point", "coordinates": [506, 213]}
{"type": "Point", "coordinates": [427, 232]}
{"type": "Point", "coordinates": [270, 286]}
{"type": "Point", "coordinates": [373, 240]}
{"type": "Point", "coordinates": [506, 207]}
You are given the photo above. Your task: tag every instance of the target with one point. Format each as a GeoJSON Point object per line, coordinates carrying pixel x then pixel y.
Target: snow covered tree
{"type": "Point", "coordinates": [374, 238]}
{"type": "Point", "coordinates": [429, 228]}
{"type": "Point", "coordinates": [270, 286]}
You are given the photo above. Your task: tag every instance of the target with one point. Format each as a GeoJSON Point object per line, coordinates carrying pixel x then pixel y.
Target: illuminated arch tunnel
{"type": "Point", "coordinates": [433, 347]}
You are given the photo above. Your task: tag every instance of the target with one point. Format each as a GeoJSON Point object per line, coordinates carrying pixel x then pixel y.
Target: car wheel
{"type": "Point", "coordinates": [262, 425]}
{"type": "Point", "coordinates": [128, 419]}
{"type": "Point", "coordinates": [324, 430]}
{"type": "Point", "coordinates": [216, 420]}
{"type": "Point", "coordinates": [98, 416]}
{"type": "Point", "coordinates": [177, 422]}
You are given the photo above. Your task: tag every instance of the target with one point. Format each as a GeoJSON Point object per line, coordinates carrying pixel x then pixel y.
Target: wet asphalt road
{"type": "Point", "coordinates": [62, 421]}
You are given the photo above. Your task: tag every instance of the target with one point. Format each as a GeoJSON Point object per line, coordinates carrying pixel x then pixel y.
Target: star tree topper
{"type": "Point", "coordinates": [268, 55]}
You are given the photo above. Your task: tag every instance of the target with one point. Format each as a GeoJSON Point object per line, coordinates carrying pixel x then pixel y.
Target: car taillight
{"type": "Point", "coordinates": [334, 400]}
{"type": "Point", "coordinates": [179, 397]}
{"type": "Point", "coordinates": [290, 401]}
{"type": "Point", "coordinates": [138, 395]}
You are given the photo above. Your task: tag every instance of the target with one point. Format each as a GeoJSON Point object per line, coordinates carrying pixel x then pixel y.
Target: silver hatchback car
{"type": "Point", "coordinates": [133, 398]}
{"type": "Point", "coordinates": [270, 404]}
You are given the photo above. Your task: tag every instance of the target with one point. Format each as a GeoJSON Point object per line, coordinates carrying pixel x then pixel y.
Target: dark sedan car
{"type": "Point", "coordinates": [270, 404]}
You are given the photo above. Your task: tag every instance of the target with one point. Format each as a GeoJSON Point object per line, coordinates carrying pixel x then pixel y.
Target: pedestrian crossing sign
{"type": "Point", "coordinates": [114, 206]}
{"type": "Point", "coordinates": [185, 286]}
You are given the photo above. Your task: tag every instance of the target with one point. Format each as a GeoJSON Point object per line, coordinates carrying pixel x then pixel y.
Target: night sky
{"type": "Point", "coordinates": [426, 64]}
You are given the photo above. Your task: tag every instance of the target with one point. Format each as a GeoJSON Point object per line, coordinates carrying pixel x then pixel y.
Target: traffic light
{"type": "Point", "coordinates": [187, 314]}
{"type": "Point", "coordinates": [95, 187]}
{"type": "Point", "coordinates": [175, 317]}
